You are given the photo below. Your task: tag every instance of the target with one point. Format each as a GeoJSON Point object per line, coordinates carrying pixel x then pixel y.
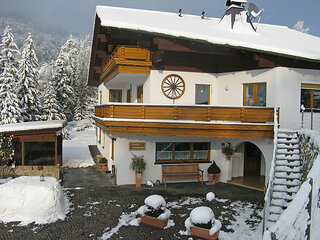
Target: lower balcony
{"type": "Point", "coordinates": [186, 120]}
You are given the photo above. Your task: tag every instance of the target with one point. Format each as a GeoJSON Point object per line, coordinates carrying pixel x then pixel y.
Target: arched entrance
{"type": "Point", "coordinates": [248, 166]}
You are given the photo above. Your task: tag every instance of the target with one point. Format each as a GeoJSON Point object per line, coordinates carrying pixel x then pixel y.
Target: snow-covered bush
{"type": "Point", "coordinates": [155, 206]}
{"type": "Point", "coordinates": [6, 153]}
{"type": "Point", "coordinates": [210, 196]}
{"type": "Point", "coordinates": [203, 217]}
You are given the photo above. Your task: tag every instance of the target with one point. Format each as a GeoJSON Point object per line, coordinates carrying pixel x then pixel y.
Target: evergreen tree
{"type": "Point", "coordinates": [8, 49]}
{"type": "Point", "coordinates": [51, 107]}
{"type": "Point", "coordinates": [10, 111]}
{"type": "Point", "coordinates": [27, 84]}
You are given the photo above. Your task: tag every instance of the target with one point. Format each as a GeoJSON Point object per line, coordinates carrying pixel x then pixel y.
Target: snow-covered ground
{"type": "Point", "coordinates": [75, 151]}
{"type": "Point", "coordinates": [27, 199]}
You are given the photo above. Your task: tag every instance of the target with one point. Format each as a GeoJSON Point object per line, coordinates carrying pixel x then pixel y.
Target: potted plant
{"type": "Point", "coordinates": [202, 223]}
{"type": "Point", "coordinates": [103, 163]}
{"type": "Point", "coordinates": [154, 212]}
{"type": "Point", "coordinates": [214, 173]}
{"type": "Point", "coordinates": [138, 165]}
{"type": "Point", "coordinates": [228, 150]}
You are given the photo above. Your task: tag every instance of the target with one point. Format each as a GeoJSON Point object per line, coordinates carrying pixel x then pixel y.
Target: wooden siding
{"type": "Point", "coordinates": [126, 59]}
{"type": "Point", "coordinates": [242, 120]}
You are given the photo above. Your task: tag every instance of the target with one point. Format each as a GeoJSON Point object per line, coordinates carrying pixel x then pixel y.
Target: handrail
{"type": "Point", "coordinates": [186, 112]}
{"type": "Point", "coordinates": [267, 197]}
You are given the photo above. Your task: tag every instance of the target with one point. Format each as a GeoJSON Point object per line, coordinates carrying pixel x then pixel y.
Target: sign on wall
{"type": "Point", "coordinates": [137, 146]}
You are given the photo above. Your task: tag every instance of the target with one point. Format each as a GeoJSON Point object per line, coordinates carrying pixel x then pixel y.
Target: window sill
{"type": "Point", "coordinates": [181, 162]}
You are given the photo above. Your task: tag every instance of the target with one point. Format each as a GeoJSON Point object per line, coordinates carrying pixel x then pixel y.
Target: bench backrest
{"type": "Point", "coordinates": [180, 168]}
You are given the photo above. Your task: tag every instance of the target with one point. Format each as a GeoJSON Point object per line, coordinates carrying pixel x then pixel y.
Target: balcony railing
{"type": "Point", "coordinates": [127, 59]}
{"type": "Point", "coordinates": [182, 112]}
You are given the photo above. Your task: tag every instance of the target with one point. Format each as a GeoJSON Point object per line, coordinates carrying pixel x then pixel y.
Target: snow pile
{"type": "Point", "coordinates": [149, 184]}
{"type": "Point", "coordinates": [210, 196]}
{"type": "Point", "coordinates": [155, 203]}
{"type": "Point", "coordinates": [76, 151]}
{"type": "Point", "coordinates": [27, 200]}
{"type": "Point", "coordinates": [5, 180]}
{"type": "Point", "coordinates": [203, 215]}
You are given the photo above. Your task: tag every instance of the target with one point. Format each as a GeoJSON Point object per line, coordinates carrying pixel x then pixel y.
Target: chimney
{"type": "Point", "coordinates": [236, 17]}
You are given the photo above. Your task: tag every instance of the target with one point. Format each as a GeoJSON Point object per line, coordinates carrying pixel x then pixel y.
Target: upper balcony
{"type": "Point", "coordinates": [126, 59]}
{"type": "Point", "coordinates": [186, 120]}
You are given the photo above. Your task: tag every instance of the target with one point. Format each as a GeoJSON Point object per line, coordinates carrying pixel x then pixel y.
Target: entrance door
{"type": "Point", "coordinates": [252, 160]}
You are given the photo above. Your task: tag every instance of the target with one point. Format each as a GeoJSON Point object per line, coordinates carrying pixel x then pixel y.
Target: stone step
{"type": "Point", "coordinates": [288, 151]}
{"type": "Point", "coordinates": [273, 217]}
{"type": "Point", "coordinates": [285, 175]}
{"type": "Point", "coordinates": [284, 188]}
{"type": "Point", "coordinates": [287, 182]}
{"type": "Point", "coordinates": [283, 195]}
{"type": "Point", "coordinates": [290, 141]}
{"type": "Point", "coordinates": [288, 157]}
{"type": "Point", "coordinates": [287, 146]}
{"type": "Point", "coordinates": [285, 168]}
{"type": "Point", "coordinates": [276, 210]}
{"type": "Point", "coordinates": [279, 203]}
{"type": "Point", "coordinates": [287, 136]}
{"type": "Point", "coordinates": [287, 163]}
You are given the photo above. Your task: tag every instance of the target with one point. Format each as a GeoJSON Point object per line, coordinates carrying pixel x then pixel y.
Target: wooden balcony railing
{"type": "Point", "coordinates": [196, 113]}
{"type": "Point", "coordinates": [127, 59]}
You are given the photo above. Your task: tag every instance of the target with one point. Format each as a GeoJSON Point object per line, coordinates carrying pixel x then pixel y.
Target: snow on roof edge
{"type": "Point", "coordinates": [35, 125]}
{"type": "Point", "coordinates": [303, 51]}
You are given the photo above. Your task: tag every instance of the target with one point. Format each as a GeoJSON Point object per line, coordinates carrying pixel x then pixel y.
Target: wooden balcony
{"type": "Point", "coordinates": [188, 121]}
{"type": "Point", "coordinates": [126, 59]}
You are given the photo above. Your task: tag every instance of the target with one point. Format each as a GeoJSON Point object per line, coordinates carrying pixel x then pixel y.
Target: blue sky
{"type": "Point", "coordinates": [76, 16]}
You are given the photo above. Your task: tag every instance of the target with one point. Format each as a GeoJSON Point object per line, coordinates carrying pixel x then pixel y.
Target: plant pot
{"type": "Point", "coordinates": [138, 179]}
{"type": "Point", "coordinates": [155, 222]}
{"type": "Point", "coordinates": [214, 177]}
{"type": "Point", "coordinates": [103, 166]}
{"type": "Point", "coordinates": [203, 233]}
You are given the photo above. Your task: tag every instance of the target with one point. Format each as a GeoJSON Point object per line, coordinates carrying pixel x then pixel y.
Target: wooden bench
{"type": "Point", "coordinates": [174, 171]}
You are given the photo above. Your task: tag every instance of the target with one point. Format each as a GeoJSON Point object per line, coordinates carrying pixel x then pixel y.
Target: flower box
{"type": "Point", "coordinates": [203, 233]}
{"type": "Point", "coordinates": [155, 222]}
{"type": "Point", "coordinates": [103, 166]}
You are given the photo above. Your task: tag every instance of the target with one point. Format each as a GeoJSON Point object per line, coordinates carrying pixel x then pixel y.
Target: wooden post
{"type": "Point", "coordinates": [175, 113]}
{"type": "Point", "coordinates": [208, 114]}
{"type": "Point", "coordinates": [22, 153]}
{"type": "Point", "coordinates": [56, 151]}
{"type": "Point", "coordinates": [242, 115]}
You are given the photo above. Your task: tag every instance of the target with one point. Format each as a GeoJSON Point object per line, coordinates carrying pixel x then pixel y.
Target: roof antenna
{"type": "Point", "coordinates": [180, 11]}
{"type": "Point", "coordinates": [202, 14]}
{"type": "Point", "coordinates": [254, 14]}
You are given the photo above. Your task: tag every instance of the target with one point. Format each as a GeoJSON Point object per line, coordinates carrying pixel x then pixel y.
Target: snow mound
{"type": "Point", "coordinates": [149, 183]}
{"type": "Point", "coordinates": [210, 196]}
{"type": "Point", "coordinates": [201, 215]}
{"type": "Point", "coordinates": [26, 199]}
{"type": "Point", "coordinates": [155, 201]}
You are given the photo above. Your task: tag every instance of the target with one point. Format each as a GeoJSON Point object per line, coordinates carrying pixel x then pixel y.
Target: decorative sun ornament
{"type": "Point", "coordinates": [173, 86]}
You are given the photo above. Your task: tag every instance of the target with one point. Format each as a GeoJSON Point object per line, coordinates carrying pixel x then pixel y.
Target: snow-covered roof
{"type": "Point", "coordinates": [268, 38]}
{"type": "Point", "coordinates": [29, 126]}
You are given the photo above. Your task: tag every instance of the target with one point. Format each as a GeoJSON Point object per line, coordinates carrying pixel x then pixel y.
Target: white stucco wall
{"type": "Point", "coordinates": [153, 171]}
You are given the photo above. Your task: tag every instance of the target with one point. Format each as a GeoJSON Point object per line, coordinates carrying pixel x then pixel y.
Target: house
{"type": "Point", "coordinates": [176, 88]}
{"type": "Point", "coordinates": [38, 147]}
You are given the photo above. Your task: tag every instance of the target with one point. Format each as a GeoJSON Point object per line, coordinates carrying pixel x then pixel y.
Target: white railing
{"type": "Point", "coordinates": [301, 218]}
{"type": "Point", "coordinates": [267, 198]}
{"type": "Point", "coordinates": [310, 118]}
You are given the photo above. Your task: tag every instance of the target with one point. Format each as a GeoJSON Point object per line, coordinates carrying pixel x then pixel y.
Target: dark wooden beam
{"type": "Point", "coordinates": [102, 37]}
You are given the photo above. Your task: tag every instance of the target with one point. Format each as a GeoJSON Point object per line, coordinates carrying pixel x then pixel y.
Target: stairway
{"type": "Point", "coordinates": [287, 175]}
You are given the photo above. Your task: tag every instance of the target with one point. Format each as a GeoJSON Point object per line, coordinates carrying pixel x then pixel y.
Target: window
{"type": "Point", "coordinates": [310, 96]}
{"type": "Point", "coordinates": [128, 96]}
{"type": "Point", "coordinates": [140, 94]}
{"type": "Point", "coordinates": [182, 152]}
{"type": "Point", "coordinates": [254, 94]}
{"type": "Point", "coordinates": [100, 97]}
{"type": "Point", "coordinates": [39, 153]}
{"type": "Point", "coordinates": [115, 95]}
{"type": "Point", "coordinates": [202, 94]}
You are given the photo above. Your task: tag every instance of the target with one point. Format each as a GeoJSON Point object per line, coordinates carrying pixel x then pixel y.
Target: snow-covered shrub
{"type": "Point", "coordinates": [203, 217]}
{"type": "Point", "coordinates": [84, 124]}
{"type": "Point", "coordinates": [210, 196]}
{"type": "Point", "coordinates": [155, 206]}
{"type": "Point", "coordinates": [6, 152]}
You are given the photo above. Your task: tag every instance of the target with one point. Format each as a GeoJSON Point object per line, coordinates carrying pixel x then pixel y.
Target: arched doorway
{"type": "Point", "coordinates": [252, 160]}
{"type": "Point", "coordinates": [248, 166]}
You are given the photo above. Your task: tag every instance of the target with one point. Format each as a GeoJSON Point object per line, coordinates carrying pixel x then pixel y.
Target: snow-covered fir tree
{"type": "Point", "coordinates": [85, 96]}
{"type": "Point", "coordinates": [27, 87]}
{"type": "Point", "coordinates": [51, 107]}
{"type": "Point", "coordinates": [63, 77]}
{"type": "Point", "coordinates": [8, 49]}
{"type": "Point", "coordinates": [10, 111]}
